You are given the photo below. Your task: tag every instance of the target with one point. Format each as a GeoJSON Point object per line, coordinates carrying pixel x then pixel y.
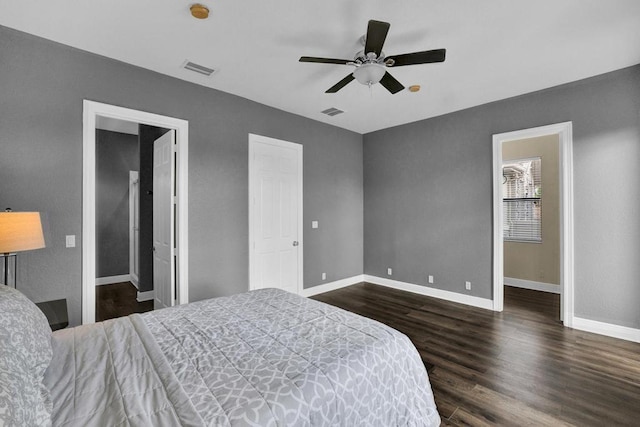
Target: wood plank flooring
{"type": "Point", "coordinates": [117, 300]}
{"type": "Point", "coordinates": [516, 368]}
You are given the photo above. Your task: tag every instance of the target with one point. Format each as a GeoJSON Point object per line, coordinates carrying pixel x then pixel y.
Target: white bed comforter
{"type": "Point", "coordinates": [264, 358]}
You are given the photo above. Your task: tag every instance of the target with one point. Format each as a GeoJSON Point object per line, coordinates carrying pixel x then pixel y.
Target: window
{"type": "Point", "coordinates": [522, 204]}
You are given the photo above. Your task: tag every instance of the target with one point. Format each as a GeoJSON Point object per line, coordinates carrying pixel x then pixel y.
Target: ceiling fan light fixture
{"type": "Point", "coordinates": [369, 74]}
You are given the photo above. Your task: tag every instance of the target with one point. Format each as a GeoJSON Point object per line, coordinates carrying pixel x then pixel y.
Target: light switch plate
{"type": "Point", "coordinates": [71, 241]}
{"type": "Point", "coordinates": [314, 224]}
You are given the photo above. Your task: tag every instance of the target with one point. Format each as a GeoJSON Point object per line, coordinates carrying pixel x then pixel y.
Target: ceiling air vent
{"type": "Point", "coordinates": [201, 69]}
{"type": "Point", "coordinates": [332, 111]}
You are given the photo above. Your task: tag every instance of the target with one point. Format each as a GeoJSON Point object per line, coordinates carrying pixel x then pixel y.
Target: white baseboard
{"type": "Point", "coordinates": [432, 292]}
{"type": "Point", "coordinates": [108, 280]}
{"type": "Point", "coordinates": [608, 329]}
{"type": "Point", "coordinates": [332, 286]}
{"type": "Point", "coordinates": [530, 284]}
{"type": "Point", "coordinates": [144, 296]}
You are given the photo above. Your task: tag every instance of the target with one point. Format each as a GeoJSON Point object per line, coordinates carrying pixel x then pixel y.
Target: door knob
{"type": "Point", "coordinates": [295, 243]}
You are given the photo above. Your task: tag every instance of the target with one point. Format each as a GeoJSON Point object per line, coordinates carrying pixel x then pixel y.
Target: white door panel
{"type": "Point", "coordinates": [163, 219]}
{"type": "Point", "coordinates": [134, 225]}
{"type": "Point", "coordinates": [276, 214]}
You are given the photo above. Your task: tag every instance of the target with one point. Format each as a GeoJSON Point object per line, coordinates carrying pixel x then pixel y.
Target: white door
{"type": "Point", "coordinates": [163, 220]}
{"type": "Point", "coordinates": [134, 225]}
{"type": "Point", "coordinates": [275, 229]}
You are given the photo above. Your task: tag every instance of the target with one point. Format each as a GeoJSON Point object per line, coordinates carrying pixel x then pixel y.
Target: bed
{"type": "Point", "coordinates": [262, 358]}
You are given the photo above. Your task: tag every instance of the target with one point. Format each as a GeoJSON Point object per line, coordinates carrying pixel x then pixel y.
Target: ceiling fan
{"type": "Point", "coordinates": [371, 63]}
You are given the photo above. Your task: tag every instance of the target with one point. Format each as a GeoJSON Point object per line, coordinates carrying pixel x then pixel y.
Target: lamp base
{"type": "Point", "coordinates": [9, 279]}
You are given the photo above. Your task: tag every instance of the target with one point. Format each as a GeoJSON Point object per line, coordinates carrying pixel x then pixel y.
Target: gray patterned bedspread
{"type": "Point", "coordinates": [263, 358]}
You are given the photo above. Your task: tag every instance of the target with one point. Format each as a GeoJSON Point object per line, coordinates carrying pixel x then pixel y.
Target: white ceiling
{"type": "Point", "coordinates": [495, 48]}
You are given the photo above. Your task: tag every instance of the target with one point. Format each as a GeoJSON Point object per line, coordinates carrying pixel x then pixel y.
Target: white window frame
{"type": "Point", "coordinates": [521, 239]}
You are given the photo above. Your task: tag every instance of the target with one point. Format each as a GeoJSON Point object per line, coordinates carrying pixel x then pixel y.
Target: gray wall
{"type": "Point", "coordinates": [428, 193]}
{"type": "Point", "coordinates": [43, 85]}
{"type": "Point", "coordinates": [116, 155]}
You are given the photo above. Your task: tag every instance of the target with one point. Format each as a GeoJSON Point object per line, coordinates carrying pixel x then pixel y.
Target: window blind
{"type": "Point", "coordinates": [522, 203]}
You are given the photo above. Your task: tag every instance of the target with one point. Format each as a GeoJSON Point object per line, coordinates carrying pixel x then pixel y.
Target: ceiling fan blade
{"type": "Point", "coordinates": [376, 35]}
{"type": "Point", "coordinates": [426, 57]}
{"type": "Point", "coordinates": [325, 60]}
{"type": "Point", "coordinates": [342, 83]}
{"type": "Point", "coordinates": [391, 83]}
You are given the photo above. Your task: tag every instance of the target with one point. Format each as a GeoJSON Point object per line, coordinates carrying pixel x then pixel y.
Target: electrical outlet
{"type": "Point", "coordinates": [324, 276]}
{"type": "Point", "coordinates": [467, 285]}
{"type": "Point", "coordinates": [430, 279]}
{"type": "Point", "coordinates": [389, 271]}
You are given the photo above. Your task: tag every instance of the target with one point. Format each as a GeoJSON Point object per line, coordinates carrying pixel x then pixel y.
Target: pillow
{"type": "Point", "coordinates": [25, 354]}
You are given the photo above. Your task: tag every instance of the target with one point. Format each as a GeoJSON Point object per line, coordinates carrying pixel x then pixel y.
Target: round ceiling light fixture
{"type": "Point", "coordinates": [199, 11]}
{"type": "Point", "coordinates": [414, 88]}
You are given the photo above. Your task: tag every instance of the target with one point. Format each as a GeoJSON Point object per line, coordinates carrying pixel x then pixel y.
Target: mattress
{"type": "Point", "coordinates": [263, 358]}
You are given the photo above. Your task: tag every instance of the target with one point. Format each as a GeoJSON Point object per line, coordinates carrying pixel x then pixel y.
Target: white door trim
{"type": "Point", "coordinates": [565, 136]}
{"type": "Point", "coordinates": [133, 180]}
{"type": "Point", "coordinates": [253, 139]}
{"type": "Point", "coordinates": [91, 110]}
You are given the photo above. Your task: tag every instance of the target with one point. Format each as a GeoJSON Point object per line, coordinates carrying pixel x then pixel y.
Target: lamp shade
{"type": "Point", "coordinates": [20, 231]}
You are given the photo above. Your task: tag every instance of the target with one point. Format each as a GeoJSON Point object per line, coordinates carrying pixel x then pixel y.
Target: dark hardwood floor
{"type": "Point", "coordinates": [117, 300]}
{"type": "Point", "coordinates": [519, 367]}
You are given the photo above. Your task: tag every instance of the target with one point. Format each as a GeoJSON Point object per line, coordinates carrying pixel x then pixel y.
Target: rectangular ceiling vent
{"type": "Point", "coordinates": [332, 111]}
{"type": "Point", "coordinates": [201, 69]}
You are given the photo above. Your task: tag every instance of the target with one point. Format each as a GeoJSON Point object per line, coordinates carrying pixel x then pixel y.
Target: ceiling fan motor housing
{"type": "Point", "coordinates": [369, 58]}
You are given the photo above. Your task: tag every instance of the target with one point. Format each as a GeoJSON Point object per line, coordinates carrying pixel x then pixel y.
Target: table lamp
{"type": "Point", "coordinates": [19, 231]}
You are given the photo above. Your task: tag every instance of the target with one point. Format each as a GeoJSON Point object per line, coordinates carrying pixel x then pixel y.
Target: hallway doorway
{"type": "Point", "coordinates": [178, 244]}
{"type": "Point", "coordinates": [563, 131]}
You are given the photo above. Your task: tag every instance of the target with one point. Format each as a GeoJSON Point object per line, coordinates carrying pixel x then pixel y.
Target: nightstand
{"type": "Point", "coordinates": [56, 312]}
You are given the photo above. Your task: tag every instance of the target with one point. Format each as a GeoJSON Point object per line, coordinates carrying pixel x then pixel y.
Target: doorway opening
{"type": "Point", "coordinates": [518, 223]}
{"type": "Point", "coordinates": [119, 291]}
{"type": "Point", "coordinates": [175, 220]}
{"type": "Point", "coordinates": [531, 231]}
